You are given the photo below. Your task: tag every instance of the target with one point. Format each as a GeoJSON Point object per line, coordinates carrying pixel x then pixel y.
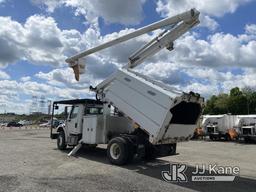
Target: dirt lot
{"type": "Point", "coordinates": [29, 161]}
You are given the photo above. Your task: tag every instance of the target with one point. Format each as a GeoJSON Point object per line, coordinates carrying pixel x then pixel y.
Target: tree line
{"type": "Point", "coordinates": [237, 102]}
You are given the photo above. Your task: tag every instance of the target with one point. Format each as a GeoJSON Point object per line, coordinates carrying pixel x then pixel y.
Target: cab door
{"type": "Point", "coordinates": [74, 121]}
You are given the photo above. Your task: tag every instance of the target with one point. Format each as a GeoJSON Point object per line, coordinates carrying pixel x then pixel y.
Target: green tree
{"type": "Point", "coordinates": [250, 95]}
{"type": "Point", "coordinates": [210, 105]}
{"type": "Point", "coordinates": [237, 102]}
{"type": "Point", "coordinates": [221, 103]}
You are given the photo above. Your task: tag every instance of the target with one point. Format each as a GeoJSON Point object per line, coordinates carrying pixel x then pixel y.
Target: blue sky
{"type": "Point", "coordinates": [37, 36]}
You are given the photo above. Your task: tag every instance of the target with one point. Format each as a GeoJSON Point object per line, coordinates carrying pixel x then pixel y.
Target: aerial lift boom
{"type": "Point", "coordinates": [174, 28]}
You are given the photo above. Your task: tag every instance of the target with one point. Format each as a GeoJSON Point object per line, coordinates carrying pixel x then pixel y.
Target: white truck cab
{"type": "Point", "coordinates": [247, 127]}
{"type": "Point", "coordinates": [212, 128]}
{"type": "Point", "coordinates": [85, 123]}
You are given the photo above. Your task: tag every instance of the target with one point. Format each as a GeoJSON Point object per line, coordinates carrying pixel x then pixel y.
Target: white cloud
{"type": "Point", "coordinates": [11, 36]}
{"type": "Point", "coordinates": [13, 105]}
{"type": "Point", "coordinates": [50, 4]}
{"type": "Point", "coordinates": [64, 77]}
{"type": "Point", "coordinates": [114, 11]}
{"type": "Point", "coordinates": [205, 90]}
{"type": "Point", "coordinates": [8, 85]}
{"type": "Point", "coordinates": [11, 92]}
{"type": "Point", "coordinates": [219, 50]}
{"type": "Point", "coordinates": [208, 8]}
{"type": "Point", "coordinates": [4, 75]}
{"type": "Point", "coordinates": [211, 81]}
{"type": "Point", "coordinates": [39, 41]}
{"type": "Point", "coordinates": [25, 78]}
{"type": "Point", "coordinates": [29, 88]}
{"type": "Point", "coordinates": [251, 29]}
{"type": "Point", "coordinates": [206, 21]}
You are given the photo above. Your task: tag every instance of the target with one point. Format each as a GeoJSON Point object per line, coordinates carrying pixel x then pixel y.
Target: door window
{"type": "Point", "coordinates": [74, 112]}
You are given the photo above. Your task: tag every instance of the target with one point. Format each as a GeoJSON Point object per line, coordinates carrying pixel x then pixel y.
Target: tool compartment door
{"type": "Point", "coordinates": [93, 129]}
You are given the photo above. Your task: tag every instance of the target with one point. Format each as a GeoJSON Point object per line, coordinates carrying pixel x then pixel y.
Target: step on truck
{"type": "Point", "coordinates": [133, 114]}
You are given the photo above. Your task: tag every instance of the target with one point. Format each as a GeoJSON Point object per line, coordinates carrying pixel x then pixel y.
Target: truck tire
{"type": "Point", "coordinates": [118, 151]}
{"type": "Point", "coordinates": [247, 139]}
{"type": "Point", "coordinates": [173, 149]}
{"type": "Point", "coordinates": [227, 137]}
{"type": "Point", "coordinates": [61, 142]}
{"type": "Point", "coordinates": [150, 152]}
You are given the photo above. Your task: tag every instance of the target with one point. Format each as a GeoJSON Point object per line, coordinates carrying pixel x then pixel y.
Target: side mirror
{"type": "Point", "coordinates": [56, 107]}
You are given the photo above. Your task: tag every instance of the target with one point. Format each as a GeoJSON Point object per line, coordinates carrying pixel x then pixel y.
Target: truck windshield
{"type": "Point", "coordinates": [93, 110]}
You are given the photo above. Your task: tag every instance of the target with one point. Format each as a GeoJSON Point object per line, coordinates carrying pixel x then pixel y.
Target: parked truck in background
{"type": "Point", "coordinates": [133, 114]}
{"type": "Point", "coordinates": [220, 126]}
{"type": "Point", "coordinates": [247, 127]}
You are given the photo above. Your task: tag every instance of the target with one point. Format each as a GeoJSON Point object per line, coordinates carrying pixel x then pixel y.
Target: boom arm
{"type": "Point", "coordinates": [164, 40]}
{"type": "Point", "coordinates": [180, 24]}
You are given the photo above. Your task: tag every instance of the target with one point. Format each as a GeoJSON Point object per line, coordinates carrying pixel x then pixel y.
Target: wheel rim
{"type": "Point", "coordinates": [115, 151]}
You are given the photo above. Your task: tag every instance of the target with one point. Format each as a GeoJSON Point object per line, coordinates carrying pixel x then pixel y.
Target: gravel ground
{"type": "Point", "coordinates": [29, 161]}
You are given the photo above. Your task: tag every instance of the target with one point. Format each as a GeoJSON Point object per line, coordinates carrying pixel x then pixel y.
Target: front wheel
{"type": "Point", "coordinates": [61, 142]}
{"type": "Point", "coordinates": [212, 138]}
{"type": "Point", "coordinates": [227, 137]}
{"type": "Point", "coordinates": [118, 151]}
{"type": "Point", "coordinates": [172, 149]}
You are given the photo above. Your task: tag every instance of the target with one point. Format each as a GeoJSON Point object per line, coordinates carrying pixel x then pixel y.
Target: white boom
{"type": "Point", "coordinates": [178, 25]}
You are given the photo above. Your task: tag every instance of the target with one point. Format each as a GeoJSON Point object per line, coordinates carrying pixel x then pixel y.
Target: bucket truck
{"type": "Point", "coordinates": [133, 114]}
